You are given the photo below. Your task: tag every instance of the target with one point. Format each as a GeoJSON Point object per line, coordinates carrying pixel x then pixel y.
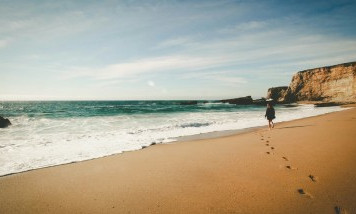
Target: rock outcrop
{"type": "Point", "coordinates": [239, 101]}
{"type": "Point", "coordinates": [193, 102]}
{"type": "Point", "coordinates": [277, 93]}
{"type": "Point", "coordinates": [4, 122]}
{"type": "Point", "coordinates": [326, 84]}
{"type": "Point", "coordinates": [260, 102]}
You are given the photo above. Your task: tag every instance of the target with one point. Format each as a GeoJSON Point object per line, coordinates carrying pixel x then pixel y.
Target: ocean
{"type": "Point", "coordinates": [48, 133]}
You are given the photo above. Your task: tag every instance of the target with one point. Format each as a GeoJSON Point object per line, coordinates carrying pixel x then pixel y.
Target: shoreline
{"type": "Point", "coordinates": [227, 133]}
{"type": "Point", "coordinates": [188, 138]}
{"type": "Point", "coordinates": [195, 137]}
{"type": "Point", "coordinates": [238, 173]}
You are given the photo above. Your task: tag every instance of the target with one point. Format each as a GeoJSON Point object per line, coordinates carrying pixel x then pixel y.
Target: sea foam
{"type": "Point", "coordinates": [37, 141]}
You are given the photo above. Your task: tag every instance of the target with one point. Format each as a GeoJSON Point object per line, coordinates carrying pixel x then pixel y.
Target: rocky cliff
{"type": "Point", "coordinates": [326, 84]}
{"type": "Point", "coordinates": [277, 93]}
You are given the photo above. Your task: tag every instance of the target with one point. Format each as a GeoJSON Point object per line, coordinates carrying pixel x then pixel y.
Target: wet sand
{"type": "Point", "coordinates": [301, 166]}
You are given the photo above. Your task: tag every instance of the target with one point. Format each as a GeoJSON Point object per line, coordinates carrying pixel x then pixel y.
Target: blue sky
{"type": "Point", "coordinates": [166, 49]}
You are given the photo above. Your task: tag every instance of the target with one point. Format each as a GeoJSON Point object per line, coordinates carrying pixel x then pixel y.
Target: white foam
{"type": "Point", "coordinates": [32, 143]}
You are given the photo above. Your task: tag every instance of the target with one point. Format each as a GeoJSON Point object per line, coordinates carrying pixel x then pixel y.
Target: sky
{"type": "Point", "coordinates": [149, 50]}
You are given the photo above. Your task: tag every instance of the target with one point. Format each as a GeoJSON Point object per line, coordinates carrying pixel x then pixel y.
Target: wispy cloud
{"type": "Point", "coordinates": [147, 65]}
{"type": "Point", "coordinates": [209, 55]}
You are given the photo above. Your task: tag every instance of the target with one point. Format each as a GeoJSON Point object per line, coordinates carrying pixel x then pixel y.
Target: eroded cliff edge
{"type": "Point", "coordinates": [335, 83]}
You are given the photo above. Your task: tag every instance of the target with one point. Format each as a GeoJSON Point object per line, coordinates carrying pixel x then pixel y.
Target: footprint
{"type": "Point", "coordinates": [313, 178]}
{"type": "Point", "coordinates": [267, 144]}
{"type": "Point", "coordinates": [340, 210]}
{"type": "Point", "coordinates": [290, 167]}
{"type": "Point", "coordinates": [268, 153]}
{"type": "Point", "coordinates": [302, 192]}
{"type": "Point", "coordinates": [285, 158]}
{"type": "Point", "coordinates": [272, 147]}
{"type": "Point", "coordinates": [267, 141]}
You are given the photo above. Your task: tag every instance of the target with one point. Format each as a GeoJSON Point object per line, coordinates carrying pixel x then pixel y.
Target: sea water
{"type": "Point", "coordinates": [47, 133]}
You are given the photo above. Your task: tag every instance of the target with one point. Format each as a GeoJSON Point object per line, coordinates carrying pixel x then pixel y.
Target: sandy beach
{"type": "Point", "coordinates": [301, 166]}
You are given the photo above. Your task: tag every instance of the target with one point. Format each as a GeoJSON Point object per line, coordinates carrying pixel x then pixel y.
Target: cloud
{"type": "Point", "coordinates": [147, 65]}
{"type": "Point", "coordinates": [244, 54]}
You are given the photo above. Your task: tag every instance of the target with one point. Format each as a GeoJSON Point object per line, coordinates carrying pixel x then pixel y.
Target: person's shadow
{"type": "Point", "coordinates": [291, 127]}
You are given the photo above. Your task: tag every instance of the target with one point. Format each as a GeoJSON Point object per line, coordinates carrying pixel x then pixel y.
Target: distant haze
{"type": "Point", "coordinates": [148, 50]}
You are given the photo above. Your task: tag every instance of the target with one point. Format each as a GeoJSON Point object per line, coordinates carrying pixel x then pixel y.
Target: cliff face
{"type": "Point", "coordinates": [277, 93]}
{"type": "Point", "coordinates": [327, 84]}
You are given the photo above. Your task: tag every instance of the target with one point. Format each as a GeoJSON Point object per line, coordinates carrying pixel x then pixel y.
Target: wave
{"type": "Point", "coordinates": [187, 125]}
{"type": "Point", "coordinates": [35, 141]}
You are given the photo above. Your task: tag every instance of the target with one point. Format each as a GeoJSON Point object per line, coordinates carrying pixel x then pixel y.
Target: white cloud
{"type": "Point", "coordinates": [147, 65]}
{"type": "Point", "coordinates": [260, 51]}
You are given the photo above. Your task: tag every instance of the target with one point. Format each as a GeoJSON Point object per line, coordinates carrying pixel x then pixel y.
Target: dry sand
{"type": "Point", "coordinates": [310, 168]}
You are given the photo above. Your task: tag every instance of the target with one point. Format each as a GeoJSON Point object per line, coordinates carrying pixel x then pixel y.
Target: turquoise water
{"type": "Point", "coordinates": [56, 132]}
{"type": "Point", "coordinates": [65, 109]}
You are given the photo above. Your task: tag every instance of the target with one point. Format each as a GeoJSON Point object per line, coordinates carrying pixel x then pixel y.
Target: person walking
{"type": "Point", "coordinates": [270, 115]}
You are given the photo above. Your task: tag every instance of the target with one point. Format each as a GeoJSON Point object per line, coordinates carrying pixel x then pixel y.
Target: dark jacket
{"type": "Point", "coordinates": [270, 113]}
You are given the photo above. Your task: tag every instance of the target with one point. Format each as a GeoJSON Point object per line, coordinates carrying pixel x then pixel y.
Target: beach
{"type": "Point", "coordinates": [302, 166]}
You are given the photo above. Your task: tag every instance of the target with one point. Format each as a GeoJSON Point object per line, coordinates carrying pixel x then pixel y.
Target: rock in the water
{"type": "Point", "coordinates": [4, 122]}
{"type": "Point", "coordinates": [326, 84]}
{"type": "Point", "coordinates": [189, 103]}
{"type": "Point", "coordinates": [261, 101]}
{"type": "Point", "coordinates": [239, 101]}
{"type": "Point", "coordinates": [327, 104]}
